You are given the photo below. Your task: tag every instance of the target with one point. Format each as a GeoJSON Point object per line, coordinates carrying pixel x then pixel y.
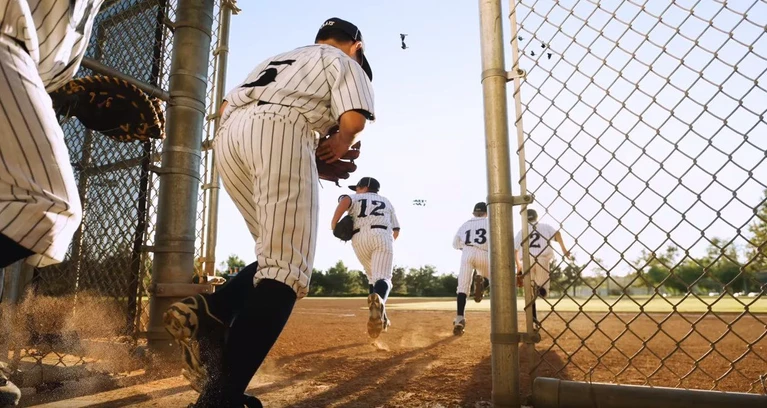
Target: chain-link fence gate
{"type": "Point", "coordinates": [642, 137]}
{"type": "Point", "coordinates": [84, 308]}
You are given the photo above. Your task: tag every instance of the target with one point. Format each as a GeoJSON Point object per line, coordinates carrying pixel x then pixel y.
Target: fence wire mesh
{"type": "Point", "coordinates": [99, 294]}
{"type": "Point", "coordinates": [644, 145]}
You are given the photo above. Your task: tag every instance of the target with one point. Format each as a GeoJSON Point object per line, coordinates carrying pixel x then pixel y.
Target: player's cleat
{"type": "Point", "coordinates": [199, 334]}
{"type": "Point", "coordinates": [377, 320]}
{"type": "Point", "coordinates": [459, 324]}
{"type": "Point", "coordinates": [479, 288]}
{"type": "Point", "coordinates": [387, 322]}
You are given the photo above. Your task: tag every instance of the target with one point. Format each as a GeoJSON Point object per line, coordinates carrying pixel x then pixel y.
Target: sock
{"type": "Point", "coordinates": [461, 303]}
{"type": "Point", "coordinates": [382, 288]}
{"type": "Point", "coordinates": [371, 289]}
{"type": "Point", "coordinates": [253, 333]}
{"type": "Point", "coordinates": [11, 252]}
{"type": "Point", "coordinates": [230, 297]}
{"type": "Point", "coordinates": [535, 314]}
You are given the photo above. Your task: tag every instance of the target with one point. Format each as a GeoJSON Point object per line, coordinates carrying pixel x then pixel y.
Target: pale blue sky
{"type": "Point", "coordinates": [428, 140]}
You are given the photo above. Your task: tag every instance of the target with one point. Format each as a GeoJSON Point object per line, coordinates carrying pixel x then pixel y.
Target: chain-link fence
{"type": "Point", "coordinates": [644, 144]}
{"type": "Point", "coordinates": [100, 293]}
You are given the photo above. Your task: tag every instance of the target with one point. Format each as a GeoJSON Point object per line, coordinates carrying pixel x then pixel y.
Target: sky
{"type": "Point", "coordinates": [608, 162]}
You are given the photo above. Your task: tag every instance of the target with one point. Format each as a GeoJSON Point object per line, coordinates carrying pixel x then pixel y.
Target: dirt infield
{"type": "Point", "coordinates": [324, 358]}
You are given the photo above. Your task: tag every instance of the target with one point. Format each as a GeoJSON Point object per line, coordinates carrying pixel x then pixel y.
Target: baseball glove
{"type": "Point", "coordinates": [112, 107]}
{"type": "Point", "coordinates": [339, 169]}
{"type": "Point", "coordinates": [344, 229]}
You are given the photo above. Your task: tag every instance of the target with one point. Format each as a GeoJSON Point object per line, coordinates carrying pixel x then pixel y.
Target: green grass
{"type": "Point", "coordinates": [655, 305]}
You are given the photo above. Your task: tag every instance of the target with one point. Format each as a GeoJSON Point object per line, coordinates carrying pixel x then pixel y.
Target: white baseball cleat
{"type": "Point", "coordinates": [377, 321]}
{"type": "Point", "coordinates": [459, 324]}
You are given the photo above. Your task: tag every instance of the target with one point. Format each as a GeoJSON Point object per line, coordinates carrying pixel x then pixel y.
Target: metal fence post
{"type": "Point", "coordinates": [503, 307]}
{"type": "Point", "coordinates": [222, 52]}
{"type": "Point", "coordinates": [180, 172]}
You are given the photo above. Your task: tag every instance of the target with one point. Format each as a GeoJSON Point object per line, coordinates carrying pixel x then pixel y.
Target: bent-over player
{"type": "Point", "coordinates": [471, 239]}
{"type": "Point", "coordinates": [266, 150]}
{"type": "Point", "coordinates": [42, 43]}
{"type": "Point", "coordinates": [375, 229]}
{"type": "Point", "coordinates": [541, 254]}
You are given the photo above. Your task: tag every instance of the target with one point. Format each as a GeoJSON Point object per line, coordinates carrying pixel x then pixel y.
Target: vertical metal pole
{"type": "Point", "coordinates": [180, 173]}
{"type": "Point", "coordinates": [222, 51]}
{"type": "Point", "coordinates": [526, 267]}
{"type": "Point", "coordinates": [504, 335]}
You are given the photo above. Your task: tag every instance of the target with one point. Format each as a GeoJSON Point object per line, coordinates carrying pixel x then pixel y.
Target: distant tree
{"type": "Point", "coordinates": [422, 281]}
{"type": "Point", "coordinates": [757, 253]}
{"type": "Point", "coordinates": [399, 286]}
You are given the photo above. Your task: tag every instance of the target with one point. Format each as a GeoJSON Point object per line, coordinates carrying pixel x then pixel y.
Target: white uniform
{"type": "Point", "coordinates": [41, 46]}
{"type": "Point", "coordinates": [472, 240]}
{"type": "Point", "coordinates": [374, 222]}
{"type": "Point", "coordinates": [541, 252]}
{"type": "Point", "coordinates": [265, 151]}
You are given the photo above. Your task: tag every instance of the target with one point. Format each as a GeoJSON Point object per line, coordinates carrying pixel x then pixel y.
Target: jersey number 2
{"type": "Point", "coordinates": [380, 205]}
{"type": "Point", "coordinates": [268, 75]}
{"type": "Point", "coordinates": [534, 237]}
{"type": "Point", "coordinates": [479, 240]}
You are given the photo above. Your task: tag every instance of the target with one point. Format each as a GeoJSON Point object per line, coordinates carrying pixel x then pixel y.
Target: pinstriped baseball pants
{"type": "Point", "coordinates": [471, 259]}
{"type": "Point", "coordinates": [375, 250]}
{"type": "Point", "coordinates": [39, 203]}
{"type": "Point", "coordinates": [267, 165]}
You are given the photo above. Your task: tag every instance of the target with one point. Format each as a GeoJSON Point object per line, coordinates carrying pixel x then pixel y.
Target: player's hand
{"type": "Point", "coordinates": [568, 255]}
{"type": "Point", "coordinates": [336, 146]}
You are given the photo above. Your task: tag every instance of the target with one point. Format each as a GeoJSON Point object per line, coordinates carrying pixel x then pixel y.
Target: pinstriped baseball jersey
{"type": "Point", "coordinates": [539, 236]}
{"type": "Point", "coordinates": [266, 146]}
{"type": "Point", "coordinates": [472, 240]}
{"type": "Point", "coordinates": [55, 33]}
{"type": "Point", "coordinates": [370, 209]}
{"type": "Point", "coordinates": [319, 81]}
{"type": "Point", "coordinates": [473, 233]}
{"type": "Point", "coordinates": [374, 220]}
{"type": "Point", "coordinates": [41, 46]}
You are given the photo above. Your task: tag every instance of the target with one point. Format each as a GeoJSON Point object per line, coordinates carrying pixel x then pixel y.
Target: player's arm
{"type": "Point", "coordinates": [394, 222]}
{"type": "Point", "coordinates": [351, 101]}
{"type": "Point", "coordinates": [221, 109]}
{"type": "Point", "coordinates": [558, 238]}
{"type": "Point", "coordinates": [344, 203]}
{"type": "Point", "coordinates": [458, 239]}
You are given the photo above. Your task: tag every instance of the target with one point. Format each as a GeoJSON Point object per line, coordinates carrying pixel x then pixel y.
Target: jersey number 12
{"type": "Point", "coordinates": [379, 205]}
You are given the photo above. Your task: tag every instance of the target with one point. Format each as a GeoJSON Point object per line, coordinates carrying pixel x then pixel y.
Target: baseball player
{"type": "Point", "coordinates": [266, 149]}
{"type": "Point", "coordinates": [472, 239]}
{"type": "Point", "coordinates": [541, 254]}
{"type": "Point", "coordinates": [42, 43]}
{"type": "Point", "coordinates": [375, 229]}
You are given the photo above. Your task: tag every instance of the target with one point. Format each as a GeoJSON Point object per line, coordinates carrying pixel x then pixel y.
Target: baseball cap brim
{"type": "Point", "coordinates": [366, 67]}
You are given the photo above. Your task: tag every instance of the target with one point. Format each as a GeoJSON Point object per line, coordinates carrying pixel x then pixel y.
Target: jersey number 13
{"type": "Point", "coordinates": [479, 239]}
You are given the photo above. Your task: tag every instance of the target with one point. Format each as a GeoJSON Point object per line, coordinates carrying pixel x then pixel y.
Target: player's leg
{"type": "Point", "coordinates": [382, 259]}
{"type": "Point", "coordinates": [363, 253]}
{"type": "Point", "coordinates": [198, 323]}
{"type": "Point", "coordinates": [464, 286]}
{"type": "Point", "coordinates": [39, 203]}
{"type": "Point", "coordinates": [286, 198]}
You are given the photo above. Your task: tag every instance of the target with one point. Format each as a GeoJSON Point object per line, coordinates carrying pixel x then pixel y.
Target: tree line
{"type": "Point", "coordinates": [672, 271]}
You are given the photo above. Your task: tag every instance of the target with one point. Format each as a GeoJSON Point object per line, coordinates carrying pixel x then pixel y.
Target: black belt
{"type": "Point", "coordinates": [371, 227]}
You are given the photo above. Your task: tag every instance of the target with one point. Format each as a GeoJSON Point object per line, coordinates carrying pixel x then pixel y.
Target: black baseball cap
{"type": "Point", "coordinates": [480, 207]}
{"type": "Point", "coordinates": [532, 215]}
{"type": "Point", "coordinates": [354, 33]}
{"type": "Point", "coordinates": [369, 182]}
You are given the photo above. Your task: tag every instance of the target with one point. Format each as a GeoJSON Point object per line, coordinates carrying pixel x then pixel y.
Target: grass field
{"type": "Point", "coordinates": [654, 305]}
